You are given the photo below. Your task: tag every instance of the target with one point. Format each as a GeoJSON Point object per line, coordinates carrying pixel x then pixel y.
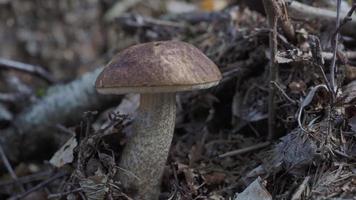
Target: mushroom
{"type": "Point", "coordinates": [155, 70]}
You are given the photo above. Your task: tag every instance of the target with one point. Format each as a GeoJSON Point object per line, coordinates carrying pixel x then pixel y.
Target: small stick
{"type": "Point", "coordinates": [284, 93]}
{"type": "Point", "coordinates": [348, 54]}
{"type": "Point", "coordinates": [10, 97]}
{"type": "Point", "coordinates": [64, 129]}
{"type": "Point", "coordinates": [335, 43]}
{"type": "Point", "coordinates": [9, 169]}
{"type": "Point", "coordinates": [39, 186]}
{"type": "Point", "coordinates": [273, 12]}
{"type": "Point", "coordinates": [297, 195]}
{"type": "Point", "coordinates": [27, 179]}
{"type": "Point", "coordinates": [57, 195]}
{"type": "Point", "coordinates": [245, 150]}
{"type": "Point", "coordinates": [32, 69]}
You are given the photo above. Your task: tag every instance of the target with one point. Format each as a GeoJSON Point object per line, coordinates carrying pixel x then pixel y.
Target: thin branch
{"type": "Point", "coordinates": [27, 179]}
{"type": "Point", "coordinates": [349, 55]}
{"type": "Point", "coordinates": [39, 186]}
{"type": "Point", "coordinates": [9, 169]}
{"type": "Point", "coordinates": [284, 93]}
{"type": "Point", "coordinates": [334, 44]}
{"type": "Point", "coordinates": [298, 194]}
{"type": "Point", "coordinates": [64, 129]}
{"type": "Point", "coordinates": [12, 97]}
{"type": "Point", "coordinates": [245, 150]}
{"type": "Point", "coordinates": [57, 195]}
{"type": "Point", "coordinates": [32, 69]}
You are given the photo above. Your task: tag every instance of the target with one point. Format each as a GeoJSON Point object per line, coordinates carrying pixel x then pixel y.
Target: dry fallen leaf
{"type": "Point", "coordinates": [255, 191]}
{"type": "Point", "coordinates": [214, 178]}
{"type": "Point", "coordinates": [65, 154]}
{"type": "Point", "coordinates": [95, 187]}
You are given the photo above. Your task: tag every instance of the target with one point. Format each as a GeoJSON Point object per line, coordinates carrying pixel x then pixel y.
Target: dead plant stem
{"type": "Point", "coordinates": [273, 12]}
{"type": "Point", "coordinates": [245, 150]}
{"type": "Point", "coordinates": [335, 42]}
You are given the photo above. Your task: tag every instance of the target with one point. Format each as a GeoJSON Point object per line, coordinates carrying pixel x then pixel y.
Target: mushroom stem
{"type": "Point", "coordinates": [144, 157]}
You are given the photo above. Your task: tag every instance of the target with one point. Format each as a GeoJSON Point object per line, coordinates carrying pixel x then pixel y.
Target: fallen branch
{"type": "Point", "coordinates": [32, 69]}
{"type": "Point", "coordinates": [61, 105]}
{"type": "Point", "coordinates": [302, 11]}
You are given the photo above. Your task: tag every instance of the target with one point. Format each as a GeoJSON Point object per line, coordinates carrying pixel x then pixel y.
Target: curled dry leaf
{"type": "Point", "coordinates": [190, 177]}
{"type": "Point", "coordinates": [65, 154]}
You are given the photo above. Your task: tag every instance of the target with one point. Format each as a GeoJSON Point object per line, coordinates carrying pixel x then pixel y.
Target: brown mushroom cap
{"type": "Point", "coordinates": [167, 66]}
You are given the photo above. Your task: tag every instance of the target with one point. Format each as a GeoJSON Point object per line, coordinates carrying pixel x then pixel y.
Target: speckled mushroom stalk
{"type": "Point", "coordinates": [146, 152]}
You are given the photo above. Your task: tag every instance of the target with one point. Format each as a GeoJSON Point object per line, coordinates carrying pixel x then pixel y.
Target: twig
{"type": "Point", "coordinates": [135, 20]}
{"type": "Point", "coordinates": [64, 129]}
{"type": "Point", "coordinates": [10, 97]}
{"type": "Point", "coordinates": [19, 86]}
{"type": "Point", "coordinates": [245, 150]}
{"type": "Point", "coordinates": [284, 93]}
{"type": "Point", "coordinates": [39, 186]}
{"type": "Point", "coordinates": [334, 44]}
{"type": "Point", "coordinates": [297, 195]}
{"type": "Point", "coordinates": [348, 54]}
{"type": "Point", "coordinates": [27, 179]}
{"type": "Point", "coordinates": [9, 169]}
{"type": "Point", "coordinates": [32, 69]}
{"type": "Point", "coordinates": [273, 12]}
{"type": "Point", "coordinates": [57, 195]}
